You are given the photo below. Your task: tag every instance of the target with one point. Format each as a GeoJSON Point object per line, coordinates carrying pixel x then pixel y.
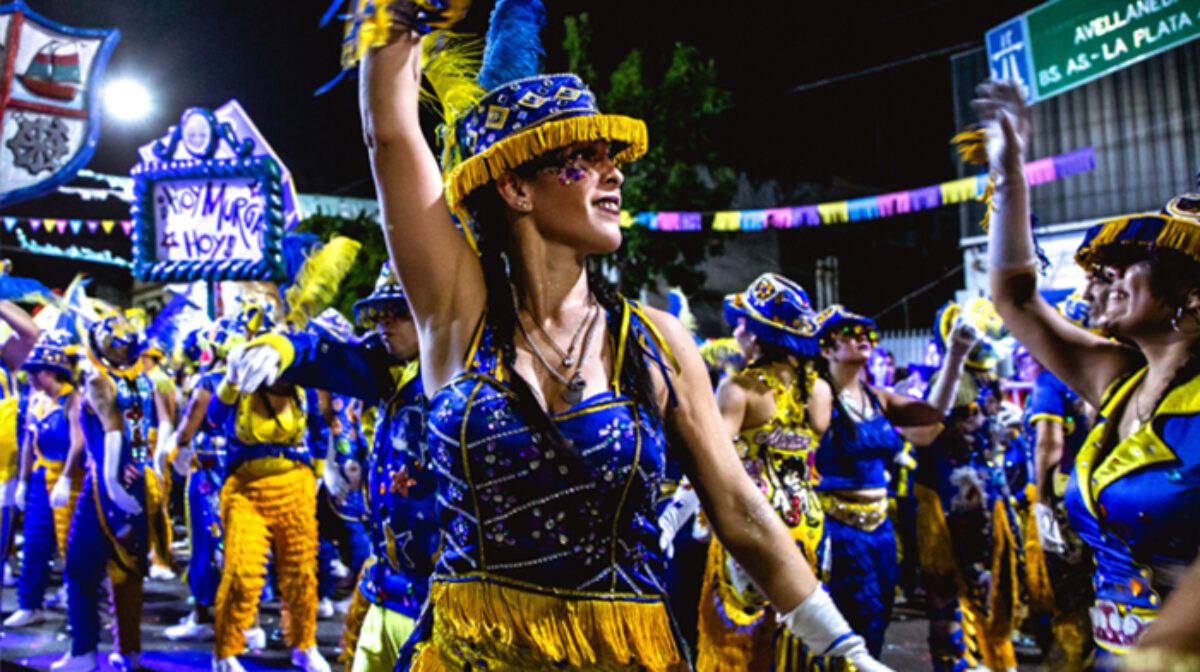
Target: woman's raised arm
{"type": "Point", "coordinates": [439, 271]}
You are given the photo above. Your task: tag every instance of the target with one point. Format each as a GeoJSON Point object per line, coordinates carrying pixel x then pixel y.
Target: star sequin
{"type": "Point", "coordinates": [401, 482]}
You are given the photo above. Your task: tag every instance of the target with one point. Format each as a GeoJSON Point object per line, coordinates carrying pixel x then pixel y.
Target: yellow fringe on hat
{"type": "Point", "coordinates": [1181, 235]}
{"type": "Point", "coordinates": [528, 144]}
{"type": "Point", "coordinates": [316, 283]}
{"type": "Point", "coordinates": [513, 627]}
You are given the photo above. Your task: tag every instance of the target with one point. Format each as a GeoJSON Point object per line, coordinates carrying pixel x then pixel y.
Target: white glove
{"type": "Point", "coordinates": [254, 367]}
{"type": "Point", "coordinates": [337, 486]}
{"type": "Point", "coordinates": [1048, 529]}
{"type": "Point", "coordinates": [1010, 416]}
{"type": "Point", "coordinates": [1007, 123]}
{"type": "Point", "coordinates": [826, 633]}
{"type": "Point", "coordinates": [683, 505]}
{"type": "Point", "coordinates": [163, 444]}
{"type": "Point", "coordinates": [112, 474]}
{"type": "Point", "coordinates": [905, 460]}
{"type": "Point", "coordinates": [963, 336]}
{"type": "Point", "coordinates": [60, 494]}
{"type": "Point", "coordinates": [964, 332]}
{"type": "Point", "coordinates": [19, 499]}
{"type": "Point", "coordinates": [183, 459]}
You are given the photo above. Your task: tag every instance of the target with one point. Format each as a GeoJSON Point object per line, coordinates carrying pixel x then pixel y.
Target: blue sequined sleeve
{"type": "Point", "coordinates": [360, 370]}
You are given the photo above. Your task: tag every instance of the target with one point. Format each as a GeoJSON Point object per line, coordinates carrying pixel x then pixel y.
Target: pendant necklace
{"type": "Point", "coordinates": [573, 387]}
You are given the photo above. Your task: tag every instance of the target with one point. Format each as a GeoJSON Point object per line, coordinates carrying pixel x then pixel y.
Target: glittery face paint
{"type": "Point", "coordinates": [571, 173]}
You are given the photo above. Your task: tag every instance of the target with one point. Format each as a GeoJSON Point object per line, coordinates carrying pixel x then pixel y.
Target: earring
{"type": "Point", "coordinates": [1179, 318]}
{"type": "Point", "coordinates": [523, 205]}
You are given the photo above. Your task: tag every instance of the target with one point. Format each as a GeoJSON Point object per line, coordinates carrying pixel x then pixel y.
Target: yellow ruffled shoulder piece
{"type": "Point", "coordinates": [317, 282]}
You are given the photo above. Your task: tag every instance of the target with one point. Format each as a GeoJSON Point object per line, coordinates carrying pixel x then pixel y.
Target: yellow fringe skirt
{"type": "Point", "coordinates": [506, 626]}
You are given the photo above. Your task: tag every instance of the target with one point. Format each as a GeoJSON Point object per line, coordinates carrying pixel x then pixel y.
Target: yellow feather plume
{"type": "Point", "coordinates": [450, 62]}
{"type": "Point", "coordinates": [317, 282]}
{"type": "Point", "coordinates": [971, 146]}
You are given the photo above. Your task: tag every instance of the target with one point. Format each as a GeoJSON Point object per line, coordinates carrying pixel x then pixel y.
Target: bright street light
{"type": "Point", "coordinates": [126, 100]}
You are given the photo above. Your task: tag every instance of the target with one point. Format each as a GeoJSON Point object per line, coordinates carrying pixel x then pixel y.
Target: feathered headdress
{"type": "Point", "coordinates": [316, 282]}
{"type": "Point", "coordinates": [504, 113]}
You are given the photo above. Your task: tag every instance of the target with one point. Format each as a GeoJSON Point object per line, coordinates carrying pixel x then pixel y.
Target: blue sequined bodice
{"type": "Point", "coordinates": [578, 518]}
{"type": "Point", "coordinates": [856, 460]}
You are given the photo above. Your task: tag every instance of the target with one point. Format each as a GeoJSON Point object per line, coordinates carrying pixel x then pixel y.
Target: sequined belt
{"type": "Point", "coordinates": [1117, 627]}
{"type": "Point", "coordinates": [865, 516]}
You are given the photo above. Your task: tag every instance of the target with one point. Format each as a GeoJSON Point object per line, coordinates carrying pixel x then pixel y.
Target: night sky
{"type": "Point", "coordinates": [873, 133]}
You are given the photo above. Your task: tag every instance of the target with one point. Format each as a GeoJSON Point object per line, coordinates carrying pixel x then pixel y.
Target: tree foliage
{"type": "Point", "coordinates": [361, 279]}
{"type": "Point", "coordinates": [675, 92]}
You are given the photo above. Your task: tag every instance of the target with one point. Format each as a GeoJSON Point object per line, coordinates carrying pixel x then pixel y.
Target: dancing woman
{"type": "Point", "coordinates": [551, 396]}
{"type": "Point", "coordinates": [853, 460]}
{"type": "Point", "coordinates": [1132, 494]}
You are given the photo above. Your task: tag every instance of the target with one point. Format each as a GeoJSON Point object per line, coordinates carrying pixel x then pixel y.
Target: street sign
{"type": "Point", "coordinates": [1063, 44]}
{"type": "Point", "coordinates": [50, 77]}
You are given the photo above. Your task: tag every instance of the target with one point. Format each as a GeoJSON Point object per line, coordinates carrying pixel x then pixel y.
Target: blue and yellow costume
{"type": "Point", "coordinates": [203, 503]}
{"type": "Point", "coordinates": [268, 501]}
{"type": "Point", "coordinates": [13, 406]}
{"type": "Point", "coordinates": [971, 546]}
{"type": "Point", "coordinates": [549, 557]}
{"type": "Point", "coordinates": [100, 530]}
{"type": "Point", "coordinates": [401, 483]}
{"type": "Point", "coordinates": [855, 454]}
{"type": "Point", "coordinates": [49, 438]}
{"type": "Point", "coordinates": [1069, 573]}
{"type": "Point", "coordinates": [737, 626]}
{"type": "Point", "coordinates": [1134, 500]}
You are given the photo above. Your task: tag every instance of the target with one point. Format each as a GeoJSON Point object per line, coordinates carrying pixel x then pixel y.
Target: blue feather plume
{"type": "Point", "coordinates": [13, 288]}
{"type": "Point", "coordinates": [514, 46]}
{"type": "Point", "coordinates": [296, 248]}
{"type": "Point", "coordinates": [165, 327]}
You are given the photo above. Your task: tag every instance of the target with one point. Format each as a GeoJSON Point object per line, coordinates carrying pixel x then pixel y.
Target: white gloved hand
{"type": "Point", "coordinates": [826, 633]}
{"type": "Point", "coordinates": [683, 505]}
{"type": "Point", "coordinates": [1049, 530]}
{"type": "Point", "coordinates": [19, 499]}
{"type": "Point", "coordinates": [60, 494]}
{"type": "Point", "coordinates": [183, 459]}
{"type": "Point", "coordinates": [337, 486]}
{"type": "Point", "coordinates": [905, 460]}
{"type": "Point", "coordinates": [964, 335]}
{"type": "Point", "coordinates": [112, 475]}
{"type": "Point", "coordinates": [1010, 416]}
{"type": "Point", "coordinates": [255, 366]}
{"type": "Point", "coordinates": [1008, 124]}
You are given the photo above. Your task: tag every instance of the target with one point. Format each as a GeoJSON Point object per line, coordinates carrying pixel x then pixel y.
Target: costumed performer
{"type": "Point", "coordinates": [551, 395]}
{"type": "Point", "coordinates": [853, 460]}
{"type": "Point", "coordinates": [402, 488]}
{"type": "Point", "coordinates": [48, 439]}
{"type": "Point", "coordinates": [1133, 494]}
{"type": "Point", "coordinates": [776, 410]}
{"type": "Point", "coordinates": [268, 500]}
{"type": "Point", "coordinates": [119, 513]}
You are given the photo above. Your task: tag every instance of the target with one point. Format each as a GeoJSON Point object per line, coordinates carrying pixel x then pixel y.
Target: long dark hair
{"type": "Point", "coordinates": [841, 417]}
{"type": "Point", "coordinates": [489, 212]}
{"type": "Point", "coordinates": [1173, 276]}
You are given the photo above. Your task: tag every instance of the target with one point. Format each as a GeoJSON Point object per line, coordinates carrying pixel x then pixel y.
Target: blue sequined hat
{"type": "Point", "coordinates": [837, 316]}
{"type": "Point", "coordinates": [511, 113]}
{"type": "Point", "coordinates": [115, 342]}
{"type": "Point", "coordinates": [387, 298]}
{"type": "Point", "coordinates": [51, 353]}
{"type": "Point", "coordinates": [777, 311]}
{"type": "Point", "coordinates": [1177, 227]}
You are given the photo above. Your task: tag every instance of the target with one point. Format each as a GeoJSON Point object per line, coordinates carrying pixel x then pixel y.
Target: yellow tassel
{"type": "Point", "coordinates": [515, 627]}
{"type": "Point", "coordinates": [936, 549]}
{"type": "Point", "coordinates": [971, 145]}
{"type": "Point", "coordinates": [532, 142]}
{"type": "Point", "coordinates": [355, 615]}
{"type": "Point", "coordinates": [720, 647]}
{"type": "Point", "coordinates": [1037, 576]}
{"type": "Point", "coordinates": [317, 282]}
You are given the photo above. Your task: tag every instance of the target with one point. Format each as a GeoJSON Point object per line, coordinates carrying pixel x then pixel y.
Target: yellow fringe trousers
{"type": "Point", "coordinates": [278, 510]}
{"type": "Point", "coordinates": [62, 515]}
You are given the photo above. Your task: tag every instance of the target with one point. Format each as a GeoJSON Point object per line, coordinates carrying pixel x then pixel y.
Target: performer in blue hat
{"type": "Point", "coordinates": [47, 441]}
{"type": "Point", "coordinates": [1132, 495]}
{"type": "Point", "coordinates": [777, 409]}
{"type": "Point", "coordinates": [853, 461]}
{"type": "Point", "coordinates": [199, 454]}
{"type": "Point", "coordinates": [552, 396]}
{"type": "Point", "coordinates": [401, 485]}
{"type": "Point", "coordinates": [119, 513]}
